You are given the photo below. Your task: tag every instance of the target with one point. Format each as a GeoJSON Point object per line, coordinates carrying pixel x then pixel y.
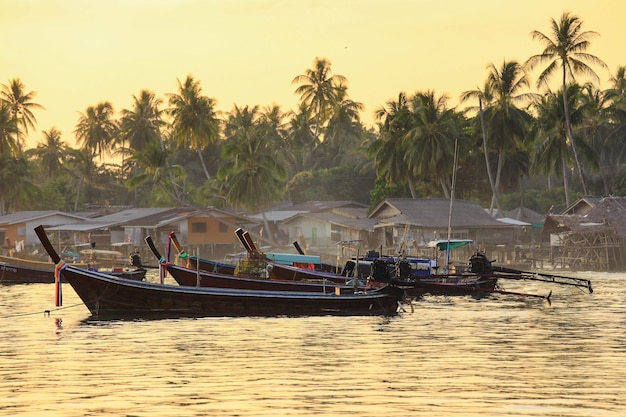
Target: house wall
{"type": "Point", "coordinates": [26, 230]}
{"type": "Point", "coordinates": [206, 229]}
{"type": "Point", "coordinates": [315, 232]}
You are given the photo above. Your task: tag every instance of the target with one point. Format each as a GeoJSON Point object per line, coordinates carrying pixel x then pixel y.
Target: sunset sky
{"type": "Point", "coordinates": [77, 53]}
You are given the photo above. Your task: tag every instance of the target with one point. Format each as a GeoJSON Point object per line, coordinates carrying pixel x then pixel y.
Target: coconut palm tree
{"type": "Point", "coordinates": [97, 130]}
{"type": "Point", "coordinates": [484, 96]}
{"type": "Point", "coordinates": [429, 143]}
{"type": "Point", "coordinates": [195, 122]}
{"type": "Point", "coordinates": [142, 125]}
{"type": "Point", "coordinates": [50, 152]}
{"type": "Point", "coordinates": [343, 132]}
{"type": "Point", "coordinates": [21, 106]}
{"type": "Point", "coordinates": [299, 142]}
{"type": "Point", "coordinates": [506, 121]}
{"type": "Point", "coordinates": [255, 180]}
{"type": "Point", "coordinates": [565, 49]}
{"type": "Point", "coordinates": [15, 182]}
{"type": "Point", "coordinates": [319, 89]}
{"type": "Point", "coordinates": [551, 135]}
{"type": "Point", "coordinates": [152, 160]}
{"type": "Point", "coordinates": [388, 150]}
{"type": "Point", "coordinates": [8, 131]}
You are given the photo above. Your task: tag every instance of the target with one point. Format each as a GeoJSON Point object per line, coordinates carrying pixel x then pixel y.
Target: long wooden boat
{"type": "Point", "coordinates": [191, 261]}
{"type": "Point", "coordinates": [107, 296]}
{"type": "Point", "coordinates": [414, 286]}
{"type": "Point", "coordinates": [21, 271]}
{"type": "Point", "coordinates": [200, 278]}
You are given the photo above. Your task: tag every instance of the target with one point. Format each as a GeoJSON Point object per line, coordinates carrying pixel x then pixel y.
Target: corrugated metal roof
{"type": "Point", "coordinates": [27, 216]}
{"type": "Point", "coordinates": [82, 227]}
{"type": "Point", "coordinates": [434, 212]}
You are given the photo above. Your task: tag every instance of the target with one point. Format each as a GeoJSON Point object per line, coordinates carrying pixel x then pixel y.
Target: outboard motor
{"type": "Point", "coordinates": [348, 268]}
{"type": "Point", "coordinates": [380, 271]}
{"type": "Point", "coordinates": [403, 270]}
{"type": "Point", "coordinates": [135, 260]}
{"type": "Point", "coordinates": [479, 264]}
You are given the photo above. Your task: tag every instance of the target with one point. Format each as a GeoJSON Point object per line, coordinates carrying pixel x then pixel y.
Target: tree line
{"type": "Point", "coordinates": [521, 143]}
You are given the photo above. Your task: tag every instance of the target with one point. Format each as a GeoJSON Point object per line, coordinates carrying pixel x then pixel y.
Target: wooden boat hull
{"type": "Point", "coordinates": [449, 285]}
{"type": "Point", "coordinates": [19, 274]}
{"type": "Point", "coordinates": [291, 273]}
{"type": "Point", "coordinates": [189, 277]}
{"type": "Point", "coordinates": [208, 265]}
{"type": "Point", "coordinates": [16, 274]}
{"type": "Point", "coordinates": [107, 296]}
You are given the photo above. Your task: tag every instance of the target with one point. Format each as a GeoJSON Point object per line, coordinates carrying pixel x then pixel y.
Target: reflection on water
{"type": "Point", "coordinates": [462, 356]}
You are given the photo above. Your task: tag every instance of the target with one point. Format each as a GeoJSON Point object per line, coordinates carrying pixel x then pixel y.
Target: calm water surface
{"type": "Point", "coordinates": [452, 356]}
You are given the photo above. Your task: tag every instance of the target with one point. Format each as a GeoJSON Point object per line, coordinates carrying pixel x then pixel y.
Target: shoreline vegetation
{"type": "Point", "coordinates": [522, 144]}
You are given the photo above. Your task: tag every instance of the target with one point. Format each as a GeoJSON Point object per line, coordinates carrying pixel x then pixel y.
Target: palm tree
{"type": "Point", "coordinates": [299, 142]}
{"type": "Point", "coordinates": [344, 131]}
{"type": "Point", "coordinates": [429, 143]}
{"type": "Point", "coordinates": [97, 129]}
{"type": "Point", "coordinates": [616, 114]}
{"type": "Point", "coordinates": [506, 123]}
{"type": "Point", "coordinates": [142, 125]}
{"type": "Point", "coordinates": [8, 131]}
{"type": "Point", "coordinates": [565, 49]}
{"type": "Point", "coordinates": [195, 119]}
{"type": "Point", "coordinates": [21, 106]}
{"type": "Point", "coordinates": [15, 183]}
{"type": "Point", "coordinates": [254, 178]}
{"type": "Point", "coordinates": [388, 149]}
{"type": "Point", "coordinates": [319, 90]}
{"type": "Point", "coordinates": [81, 166]}
{"type": "Point", "coordinates": [50, 152]}
{"type": "Point", "coordinates": [551, 134]}
{"type": "Point", "coordinates": [484, 96]}
{"type": "Point", "coordinates": [156, 170]}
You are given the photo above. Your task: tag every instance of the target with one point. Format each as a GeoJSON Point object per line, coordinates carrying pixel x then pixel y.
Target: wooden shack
{"type": "Point", "coordinates": [593, 239]}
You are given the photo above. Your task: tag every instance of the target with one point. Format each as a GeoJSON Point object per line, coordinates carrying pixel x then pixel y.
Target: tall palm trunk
{"type": "Point", "coordinates": [206, 171]}
{"type": "Point", "coordinates": [80, 186]}
{"type": "Point", "coordinates": [565, 174]}
{"type": "Point", "coordinates": [570, 133]}
{"type": "Point", "coordinates": [494, 190]}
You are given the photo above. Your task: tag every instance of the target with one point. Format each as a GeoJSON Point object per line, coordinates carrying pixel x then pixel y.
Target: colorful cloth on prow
{"type": "Point", "coordinates": [58, 295]}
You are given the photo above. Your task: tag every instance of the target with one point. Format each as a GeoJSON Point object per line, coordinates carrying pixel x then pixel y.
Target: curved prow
{"type": "Point", "coordinates": [251, 245]}
{"type": "Point", "coordinates": [153, 248]}
{"type": "Point", "coordinates": [239, 232]}
{"type": "Point", "coordinates": [43, 237]}
{"type": "Point", "coordinates": [175, 242]}
{"type": "Point", "coordinates": [298, 247]}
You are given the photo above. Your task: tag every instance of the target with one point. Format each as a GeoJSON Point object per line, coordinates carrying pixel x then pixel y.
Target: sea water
{"type": "Point", "coordinates": [497, 355]}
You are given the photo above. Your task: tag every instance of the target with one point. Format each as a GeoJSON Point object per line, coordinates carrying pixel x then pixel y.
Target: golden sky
{"type": "Point", "coordinates": [77, 53]}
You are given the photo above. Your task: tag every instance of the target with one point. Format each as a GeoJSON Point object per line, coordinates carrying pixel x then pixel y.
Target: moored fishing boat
{"type": "Point", "coordinates": [198, 277]}
{"type": "Point", "coordinates": [21, 271]}
{"type": "Point", "coordinates": [107, 296]}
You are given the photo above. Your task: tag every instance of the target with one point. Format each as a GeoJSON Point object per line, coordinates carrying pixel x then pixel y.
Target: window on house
{"type": "Point", "coordinates": [198, 227]}
{"type": "Point", "coordinates": [223, 228]}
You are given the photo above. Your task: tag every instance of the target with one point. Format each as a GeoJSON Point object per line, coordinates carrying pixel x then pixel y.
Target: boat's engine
{"type": "Point", "coordinates": [479, 264]}
{"type": "Point", "coordinates": [380, 271]}
{"type": "Point", "coordinates": [403, 270]}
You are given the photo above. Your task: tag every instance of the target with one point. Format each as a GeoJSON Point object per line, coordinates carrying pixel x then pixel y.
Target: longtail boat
{"type": "Point", "coordinates": [106, 296]}
{"type": "Point", "coordinates": [21, 271]}
{"type": "Point", "coordinates": [188, 276]}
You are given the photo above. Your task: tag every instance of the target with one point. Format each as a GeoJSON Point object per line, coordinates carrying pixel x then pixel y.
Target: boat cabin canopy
{"type": "Point", "coordinates": [294, 259]}
{"type": "Point", "coordinates": [453, 243]}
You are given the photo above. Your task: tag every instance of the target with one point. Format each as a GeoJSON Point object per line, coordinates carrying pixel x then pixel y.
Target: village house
{"type": "Point", "coordinates": [407, 224]}
{"type": "Point", "coordinates": [211, 229]}
{"type": "Point", "coordinates": [17, 229]}
{"type": "Point", "coordinates": [589, 234]}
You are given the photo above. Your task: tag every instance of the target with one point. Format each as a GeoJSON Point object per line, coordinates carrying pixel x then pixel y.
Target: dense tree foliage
{"type": "Point", "coordinates": [521, 142]}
